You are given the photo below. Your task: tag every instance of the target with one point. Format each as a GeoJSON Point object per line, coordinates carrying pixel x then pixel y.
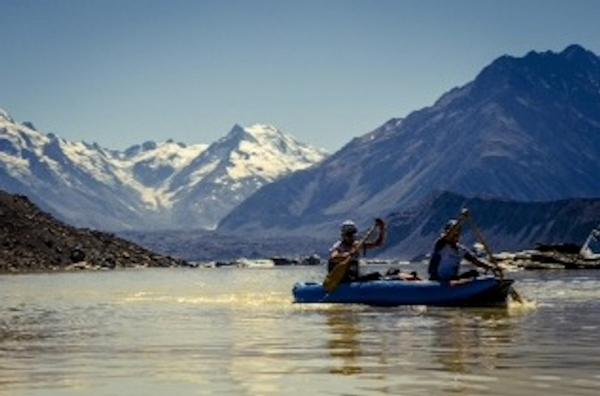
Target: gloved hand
{"type": "Point", "coordinates": [379, 222]}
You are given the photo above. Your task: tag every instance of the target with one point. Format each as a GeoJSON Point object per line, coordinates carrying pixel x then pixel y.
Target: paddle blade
{"type": "Point", "coordinates": [515, 295]}
{"type": "Point", "coordinates": [333, 278]}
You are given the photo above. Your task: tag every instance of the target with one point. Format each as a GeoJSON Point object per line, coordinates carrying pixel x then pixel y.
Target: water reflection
{"type": "Point", "coordinates": [237, 333]}
{"type": "Point", "coordinates": [450, 349]}
{"type": "Point", "coordinates": [344, 341]}
{"type": "Point", "coordinates": [465, 341]}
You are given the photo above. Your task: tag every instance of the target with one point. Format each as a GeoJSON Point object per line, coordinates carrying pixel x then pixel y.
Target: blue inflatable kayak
{"type": "Point", "coordinates": [485, 291]}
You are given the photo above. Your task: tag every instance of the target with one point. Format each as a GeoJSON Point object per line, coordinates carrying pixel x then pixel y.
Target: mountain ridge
{"type": "Point", "coordinates": [507, 225]}
{"type": "Point", "coordinates": [144, 186]}
{"type": "Point", "coordinates": [525, 128]}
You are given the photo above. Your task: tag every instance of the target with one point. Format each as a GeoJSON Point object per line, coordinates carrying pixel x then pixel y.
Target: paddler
{"type": "Point", "coordinates": [347, 246]}
{"type": "Point", "coordinates": [444, 264]}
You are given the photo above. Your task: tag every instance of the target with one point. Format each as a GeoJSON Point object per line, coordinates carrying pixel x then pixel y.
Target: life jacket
{"type": "Point", "coordinates": [445, 260]}
{"type": "Point", "coordinates": [353, 268]}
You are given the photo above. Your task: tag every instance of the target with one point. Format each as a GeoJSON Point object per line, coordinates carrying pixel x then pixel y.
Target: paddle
{"type": "Point", "coordinates": [333, 278]}
{"type": "Point", "coordinates": [513, 293]}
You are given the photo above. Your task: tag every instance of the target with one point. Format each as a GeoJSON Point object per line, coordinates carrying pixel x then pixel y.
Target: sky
{"type": "Point", "coordinates": [123, 72]}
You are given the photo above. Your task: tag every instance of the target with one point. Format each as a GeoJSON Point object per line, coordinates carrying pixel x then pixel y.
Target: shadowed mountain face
{"type": "Point", "coordinates": [525, 129]}
{"type": "Point", "coordinates": [507, 225]}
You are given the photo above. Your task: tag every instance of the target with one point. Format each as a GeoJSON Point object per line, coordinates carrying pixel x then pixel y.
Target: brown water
{"type": "Point", "coordinates": [236, 332]}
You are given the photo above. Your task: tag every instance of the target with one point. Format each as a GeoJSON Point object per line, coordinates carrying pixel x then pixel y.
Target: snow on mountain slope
{"type": "Point", "coordinates": [151, 163]}
{"type": "Point", "coordinates": [148, 168]}
{"type": "Point", "coordinates": [233, 168]}
{"type": "Point", "coordinates": [269, 153]}
{"type": "Point", "coordinates": [54, 173]}
{"type": "Point", "coordinates": [151, 185]}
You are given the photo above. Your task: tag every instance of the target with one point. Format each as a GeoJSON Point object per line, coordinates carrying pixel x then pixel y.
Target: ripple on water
{"type": "Point", "coordinates": [237, 332]}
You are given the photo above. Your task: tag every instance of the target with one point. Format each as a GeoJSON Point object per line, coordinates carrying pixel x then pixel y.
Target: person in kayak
{"type": "Point", "coordinates": [347, 247]}
{"type": "Point", "coordinates": [444, 264]}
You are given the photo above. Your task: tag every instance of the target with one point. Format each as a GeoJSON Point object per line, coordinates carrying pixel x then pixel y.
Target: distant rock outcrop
{"type": "Point", "coordinates": [32, 240]}
{"type": "Point", "coordinates": [507, 225]}
{"type": "Point", "coordinates": [204, 245]}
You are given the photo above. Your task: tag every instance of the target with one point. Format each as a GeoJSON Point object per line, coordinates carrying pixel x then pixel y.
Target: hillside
{"type": "Point", "coordinates": [507, 225]}
{"type": "Point", "coordinates": [32, 240]}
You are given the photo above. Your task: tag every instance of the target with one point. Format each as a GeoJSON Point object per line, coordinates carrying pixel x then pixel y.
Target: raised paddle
{"type": "Point", "coordinates": [335, 276]}
{"type": "Point", "coordinates": [513, 293]}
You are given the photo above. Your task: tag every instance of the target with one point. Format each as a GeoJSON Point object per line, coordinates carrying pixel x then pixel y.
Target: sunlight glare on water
{"type": "Point", "coordinates": [237, 332]}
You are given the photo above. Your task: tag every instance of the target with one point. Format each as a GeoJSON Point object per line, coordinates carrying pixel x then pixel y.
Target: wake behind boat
{"type": "Point", "coordinates": [482, 292]}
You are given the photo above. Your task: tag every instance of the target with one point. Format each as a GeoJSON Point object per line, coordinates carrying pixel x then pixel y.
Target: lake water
{"type": "Point", "coordinates": [236, 332]}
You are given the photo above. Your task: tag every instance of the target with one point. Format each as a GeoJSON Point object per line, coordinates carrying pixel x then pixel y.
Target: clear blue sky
{"type": "Point", "coordinates": [121, 72]}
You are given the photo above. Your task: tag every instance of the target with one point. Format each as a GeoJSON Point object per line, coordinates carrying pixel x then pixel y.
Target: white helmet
{"type": "Point", "coordinates": [348, 227]}
{"type": "Point", "coordinates": [452, 224]}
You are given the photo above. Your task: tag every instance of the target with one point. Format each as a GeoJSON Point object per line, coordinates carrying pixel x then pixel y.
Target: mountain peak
{"type": "Point", "coordinates": [538, 69]}
{"type": "Point", "coordinates": [262, 129]}
{"type": "Point", "coordinates": [236, 128]}
{"type": "Point", "coordinates": [576, 54]}
{"type": "Point", "coordinates": [527, 128]}
{"type": "Point", "coordinates": [237, 132]}
{"type": "Point", "coordinates": [576, 50]}
{"type": "Point", "coordinates": [149, 145]}
{"type": "Point", "coordinates": [150, 184]}
{"type": "Point", "coordinates": [29, 125]}
{"type": "Point", "coordinates": [4, 115]}
{"type": "Point", "coordinates": [255, 133]}
{"type": "Point", "coordinates": [254, 129]}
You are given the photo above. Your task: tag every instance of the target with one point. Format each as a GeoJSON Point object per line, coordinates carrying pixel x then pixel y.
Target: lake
{"type": "Point", "coordinates": [235, 331]}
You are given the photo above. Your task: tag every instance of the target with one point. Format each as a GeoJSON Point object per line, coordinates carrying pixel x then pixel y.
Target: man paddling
{"type": "Point", "coordinates": [347, 247]}
{"type": "Point", "coordinates": [444, 264]}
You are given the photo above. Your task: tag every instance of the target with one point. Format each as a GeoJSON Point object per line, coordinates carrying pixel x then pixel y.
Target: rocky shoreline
{"type": "Point", "coordinates": [34, 241]}
{"type": "Point", "coordinates": [557, 257]}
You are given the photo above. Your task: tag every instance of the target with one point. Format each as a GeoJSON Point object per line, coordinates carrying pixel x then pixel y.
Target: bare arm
{"type": "Point", "coordinates": [469, 256]}
{"type": "Point", "coordinates": [337, 256]}
{"type": "Point", "coordinates": [380, 239]}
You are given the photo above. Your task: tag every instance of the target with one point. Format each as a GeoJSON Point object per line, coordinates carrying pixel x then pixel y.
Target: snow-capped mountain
{"type": "Point", "coordinates": [233, 168]}
{"type": "Point", "coordinates": [152, 185]}
{"type": "Point", "coordinates": [526, 129]}
{"type": "Point", "coordinates": [77, 181]}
